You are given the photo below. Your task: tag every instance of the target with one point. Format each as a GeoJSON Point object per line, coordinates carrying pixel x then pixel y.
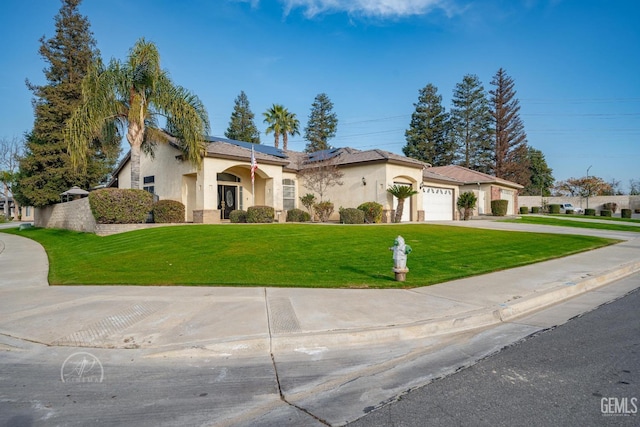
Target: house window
{"type": "Point", "coordinates": [149, 180]}
{"type": "Point", "coordinates": [227, 177]}
{"type": "Point", "coordinates": [288, 194]}
{"type": "Point", "coordinates": [28, 211]}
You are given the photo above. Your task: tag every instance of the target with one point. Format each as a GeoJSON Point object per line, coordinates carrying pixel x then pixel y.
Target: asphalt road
{"type": "Point", "coordinates": [583, 373]}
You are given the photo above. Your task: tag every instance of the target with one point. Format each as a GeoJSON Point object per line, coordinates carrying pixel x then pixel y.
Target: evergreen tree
{"type": "Point", "coordinates": [510, 138]}
{"type": "Point", "coordinates": [541, 175]}
{"type": "Point", "coordinates": [46, 169]}
{"type": "Point", "coordinates": [427, 136]}
{"type": "Point", "coordinates": [241, 126]}
{"type": "Point", "coordinates": [471, 125]}
{"type": "Point", "coordinates": [322, 124]}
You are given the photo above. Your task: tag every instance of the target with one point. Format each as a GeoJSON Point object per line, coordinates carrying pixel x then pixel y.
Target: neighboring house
{"type": "Point", "coordinates": [485, 187]}
{"type": "Point", "coordinates": [223, 183]}
{"type": "Point", "coordinates": [25, 212]}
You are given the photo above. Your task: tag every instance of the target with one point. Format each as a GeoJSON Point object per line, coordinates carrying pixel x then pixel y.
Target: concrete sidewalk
{"type": "Point", "coordinates": [180, 321]}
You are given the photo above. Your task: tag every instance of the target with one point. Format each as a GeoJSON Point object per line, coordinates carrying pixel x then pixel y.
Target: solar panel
{"type": "Point", "coordinates": [321, 155]}
{"type": "Point", "coordinates": [259, 148]}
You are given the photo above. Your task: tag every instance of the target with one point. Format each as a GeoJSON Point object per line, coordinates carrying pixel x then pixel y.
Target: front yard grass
{"type": "Point", "coordinates": [292, 255]}
{"type": "Point", "coordinates": [580, 222]}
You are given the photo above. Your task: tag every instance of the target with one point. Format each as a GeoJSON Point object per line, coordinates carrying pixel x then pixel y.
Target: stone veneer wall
{"type": "Point", "coordinates": [74, 215]}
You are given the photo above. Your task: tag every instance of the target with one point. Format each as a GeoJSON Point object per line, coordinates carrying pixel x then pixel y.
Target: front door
{"type": "Point", "coordinates": [228, 195]}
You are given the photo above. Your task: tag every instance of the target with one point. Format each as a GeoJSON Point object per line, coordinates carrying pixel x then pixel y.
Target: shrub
{"type": "Point", "coordinates": [610, 207]}
{"type": "Point", "coordinates": [351, 216]}
{"type": "Point", "coordinates": [637, 211]}
{"type": "Point", "coordinates": [466, 203]}
{"type": "Point", "coordinates": [323, 210]}
{"type": "Point", "coordinates": [238, 216]}
{"type": "Point", "coordinates": [554, 209]}
{"type": "Point", "coordinates": [590, 212]}
{"type": "Point", "coordinates": [308, 200]}
{"type": "Point", "coordinates": [120, 206]}
{"type": "Point", "coordinates": [524, 210]}
{"type": "Point", "coordinates": [260, 214]}
{"type": "Point", "coordinates": [605, 212]}
{"type": "Point", "coordinates": [168, 211]}
{"type": "Point", "coordinates": [372, 212]}
{"type": "Point", "coordinates": [499, 207]}
{"type": "Point", "coordinates": [625, 213]}
{"type": "Point", "coordinates": [298, 215]}
{"type": "Point", "coordinates": [535, 209]}
{"type": "Point", "coordinates": [569, 212]}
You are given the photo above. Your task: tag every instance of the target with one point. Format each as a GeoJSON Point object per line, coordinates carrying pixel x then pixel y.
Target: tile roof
{"type": "Point", "coordinates": [351, 156]}
{"type": "Point", "coordinates": [469, 176]}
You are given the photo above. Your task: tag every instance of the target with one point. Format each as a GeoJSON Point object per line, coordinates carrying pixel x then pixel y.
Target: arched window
{"type": "Point", "coordinates": [227, 177]}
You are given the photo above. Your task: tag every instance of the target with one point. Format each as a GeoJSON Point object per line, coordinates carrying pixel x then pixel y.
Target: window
{"type": "Point", "coordinates": [288, 194]}
{"type": "Point", "coordinates": [227, 177]}
{"type": "Point", "coordinates": [149, 180]}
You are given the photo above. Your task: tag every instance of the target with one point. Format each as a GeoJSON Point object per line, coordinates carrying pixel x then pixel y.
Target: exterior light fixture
{"type": "Point", "coordinates": [364, 181]}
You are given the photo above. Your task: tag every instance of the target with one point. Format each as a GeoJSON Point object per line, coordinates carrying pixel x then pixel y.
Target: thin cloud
{"type": "Point", "coordinates": [370, 8]}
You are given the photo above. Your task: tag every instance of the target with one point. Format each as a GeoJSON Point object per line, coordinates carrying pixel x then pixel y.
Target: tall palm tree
{"type": "Point", "coordinates": [281, 122]}
{"type": "Point", "coordinates": [400, 192]}
{"type": "Point", "coordinates": [273, 118]}
{"type": "Point", "coordinates": [133, 95]}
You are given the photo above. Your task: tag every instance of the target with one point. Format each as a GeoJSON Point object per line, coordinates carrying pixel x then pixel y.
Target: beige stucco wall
{"type": "Point", "coordinates": [595, 202]}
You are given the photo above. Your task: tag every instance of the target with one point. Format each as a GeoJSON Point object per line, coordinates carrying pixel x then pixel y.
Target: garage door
{"type": "Point", "coordinates": [508, 195]}
{"type": "Point", "coordinates": [437, 204]}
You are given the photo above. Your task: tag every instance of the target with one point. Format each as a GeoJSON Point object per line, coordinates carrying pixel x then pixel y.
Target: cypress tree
{"type": "Point", "coordinates": [241, 125]}
{"type": "Point", "coordinates": [427, 137]}
{"type": "Point", "coordinates": [322, 124]}
{"type": "Point", "coordinates": [46, 169]}
{"type": "Point", "coordinates": [511, 160]}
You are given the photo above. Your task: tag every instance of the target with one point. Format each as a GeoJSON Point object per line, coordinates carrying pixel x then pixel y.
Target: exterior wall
{"type": "Point", "coordinates": [491, 192]}
{"type": "Point", "coordinates": [74, 215]}
{"type": "Point", "coordinates": [596, 202]}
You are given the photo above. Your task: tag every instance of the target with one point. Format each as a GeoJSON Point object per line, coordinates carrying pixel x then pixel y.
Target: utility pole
{"type": "Point", "coordinates": [588, 187]}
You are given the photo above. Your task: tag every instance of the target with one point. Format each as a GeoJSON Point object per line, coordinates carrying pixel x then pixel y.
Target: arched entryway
{"type": "Point", "coordinates": [229, 193]}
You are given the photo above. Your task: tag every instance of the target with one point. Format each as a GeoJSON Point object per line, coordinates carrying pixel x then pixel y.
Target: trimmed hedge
{"type": "Point", "coordinates": [298, 215]}
{"type": "Point", "coordinates": [168, 211]}
{"type": "Point", "coordinates": [120, 206]}
{"type": "Point", "coordinates": [238, 216]}
{"type": "Point", "coordinates": [524, 210]}
{"type": "Point", "coordinates": [590, 212]}
{"type": "Point", "coordinates": [260, 214]}
{"type": "Point", "coordinates": [554, 209]}
{"type": "Point", "coordinates": [535, 209]}
{"type": "Point", "coordinates": [625, 213]}
{"type": "Point", "coordinates": [569, 212]}
{"type": "Point", "coordinates": [351, 216]}
{"type": "Point", "coordinates": [372, 212]}
{"type": "Point", "coordinates": [499, 207]}
{"type": "Point", "coordinates": [605, 212]}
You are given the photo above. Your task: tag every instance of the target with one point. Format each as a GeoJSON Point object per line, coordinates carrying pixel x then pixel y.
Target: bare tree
{"type": "Point", "coordinates": [10, 150]}
{"type": "Point", "coordinates": [318, 176]}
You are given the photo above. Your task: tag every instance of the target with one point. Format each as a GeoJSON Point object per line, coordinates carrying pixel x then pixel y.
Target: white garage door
{"type": "Point", "coordinates": [437, 204]}
{"type": "Point", "coordinates": [508, 195]}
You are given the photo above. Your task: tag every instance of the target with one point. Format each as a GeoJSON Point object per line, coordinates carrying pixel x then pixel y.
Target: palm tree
{"type": "Point", "coordinates": [281, 122]}
{"type": "Point", "coordinates": [133, 95]}
{"type": "Point", "coordinates": [400, 192]}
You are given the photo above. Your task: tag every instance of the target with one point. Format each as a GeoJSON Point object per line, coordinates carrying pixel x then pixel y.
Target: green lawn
{"type": "Point", "coordinates": [580, 222]}
{"type": "Point", "coordinates": [296, 255]}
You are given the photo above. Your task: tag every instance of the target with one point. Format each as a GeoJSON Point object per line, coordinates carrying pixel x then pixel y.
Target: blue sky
{"type": "Point", "coordinates": [575, 64]}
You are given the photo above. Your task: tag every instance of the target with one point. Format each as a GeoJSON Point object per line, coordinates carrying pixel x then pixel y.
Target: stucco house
{"type": "Point", "coordinates": [223, 183]}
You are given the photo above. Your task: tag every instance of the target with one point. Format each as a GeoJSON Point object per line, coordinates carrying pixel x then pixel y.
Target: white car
{"type": "Point", "coordinates": [564, 207]}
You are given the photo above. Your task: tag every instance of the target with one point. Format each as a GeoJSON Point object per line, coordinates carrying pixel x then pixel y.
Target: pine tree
{"type": "Point", "coordinates": [427, 136]}
{"type": "Point", "coordinates": [241, 126]}
{"type": "Point", "coordinates": [541, 175]}
{"type": "Point", "coordinates": [322, 124]}
{"type": "Point", "coordinates": [46, 169]}
{"type": "Point", "coordinates": [471, 125]}
{"type": "Point", "coordinates": [510, 137]}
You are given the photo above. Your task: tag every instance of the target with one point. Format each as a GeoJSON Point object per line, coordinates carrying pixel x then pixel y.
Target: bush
{"type": "Point", "coordinates": [590, 212]}
{"type": "Point", "coordinates": [120, 206]}
{"type": "Point", "coordinates": [260, 214]}
{"type": "Point", "coordinates": [168, 211]}
{"type": "Point", "coordinates": [372, 212]}
{"type": "Point", "coordinates": [605, 212]}
{"type": "Point", "coordinates": [569, 212]}
{"type": "Point", "coordinates": [625, 213]}
{"type": "Point", "coordinates": [637, 211]}
{"type": "Point", "coordinates": [535, 209]}
{"type": "Point", "coordinates": [554, 209]}
{"type": "Point", "coordinates": [238, 216]}
{"type": "Point", "coordinates": [298, 215]}
{"type": "Point", "coordinates": [323, 210]}
{"type": "Point", "coordinates": [610, 207]}
{"type": "Point", "coordinates": [524, 210]}
{"type": "Point", "coordinates": [466, 203]}
{"type": "Point", "coordinates": [351, 216]}
{"type": "Point", "coordinates": [499, 207]}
